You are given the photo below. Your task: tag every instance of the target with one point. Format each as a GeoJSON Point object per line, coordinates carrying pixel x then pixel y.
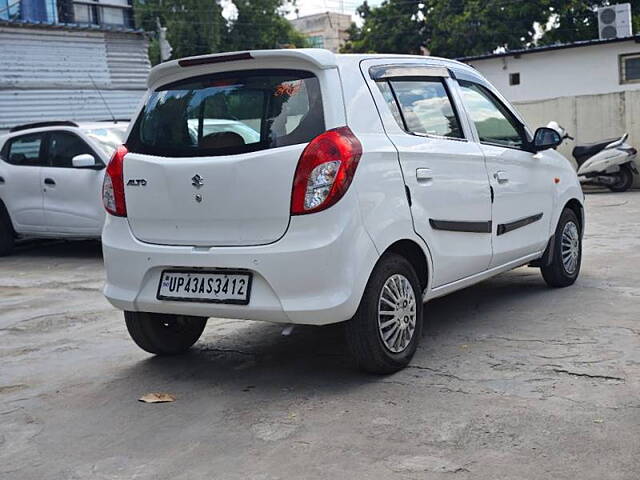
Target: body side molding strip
{"type": "Point", "coordinates": [455, 226]}
{"type": "Point", "coordinates": [523, 222]}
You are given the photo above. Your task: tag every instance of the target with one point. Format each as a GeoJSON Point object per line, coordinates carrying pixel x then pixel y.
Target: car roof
{"type": "Point", "coordinates": [358, 57]}
{"type": "Point", "coordinates": [318, 57]}
{"type": "Point", "coordinates": [95, 125]}
{"type": "Point", "coordinates": [462, 69]}
{"type": "Point", "coordinates": [82, 126]}
{"type": "Point", "coordinates": [67, 125]}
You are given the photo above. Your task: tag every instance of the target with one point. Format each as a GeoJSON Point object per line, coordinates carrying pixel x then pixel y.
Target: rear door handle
{"type": "Point", "coordinates": [501, 176]}
{"type": "Point", "coordinates": [49, 181]}
{"type": "Point", "coordinates": [1, 180]}
{"type": "Point", "coordinates": [424, 175]}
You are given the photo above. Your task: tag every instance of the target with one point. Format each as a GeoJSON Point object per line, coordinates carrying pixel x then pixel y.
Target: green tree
{"type": "Point", "coordinates": [197, 27]}
{"type": "Point", "coordinates": [393, 27]}
{"type": "Point", "coordinates": [575, 20]}
{"type": "Point", "coordinates": [260, 24]}
{"type": "Point", "coordinates": [194, 27]}
{"type": "Point", "coordinates": [448, 28]}
{"type": "Point", "coordinates": [459, 28]}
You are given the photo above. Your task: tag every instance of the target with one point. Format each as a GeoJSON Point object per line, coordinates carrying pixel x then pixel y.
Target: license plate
{"type": "Point", "coordinates": [209, 286]}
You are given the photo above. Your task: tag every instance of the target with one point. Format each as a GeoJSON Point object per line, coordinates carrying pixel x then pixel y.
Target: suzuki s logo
{"type": "Point", "coordinates": [137, 182]}
{"type": "Point", "coordinates": [197, 181]}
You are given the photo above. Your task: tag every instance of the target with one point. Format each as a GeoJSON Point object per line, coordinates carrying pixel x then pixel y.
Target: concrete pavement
{"type": "Point", "coordinates": [512, 381]}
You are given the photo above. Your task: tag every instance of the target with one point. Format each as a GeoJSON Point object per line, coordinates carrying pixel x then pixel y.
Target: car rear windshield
{"type": "Point", "coordinates": [229, 113]}
{"type": "Point", "coordinates": [108, 139]}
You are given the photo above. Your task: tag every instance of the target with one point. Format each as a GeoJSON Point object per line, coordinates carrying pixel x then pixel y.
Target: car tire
{"type": "Point", "coordinates": [386, 329]}
{"type": "Point", "coordinates": [7, 237]}
{"type": "Point", "coordinates": [164, 334]}
{"type": "Point", "coordinates": [626, 180]}
{"type": "Point", "coordinates": [564, 267]}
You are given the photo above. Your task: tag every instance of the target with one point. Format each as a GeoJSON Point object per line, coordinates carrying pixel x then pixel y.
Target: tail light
{"type": "Point", "coordinates": [325, 171]}
{"type": "Point", "coordinates": [113, 186]}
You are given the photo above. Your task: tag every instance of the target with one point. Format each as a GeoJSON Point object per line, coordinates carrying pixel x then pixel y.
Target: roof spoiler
{"type": "Point", "coordinates": [206, 59]}
{"type": "Point", "coordinates": [168, 71]}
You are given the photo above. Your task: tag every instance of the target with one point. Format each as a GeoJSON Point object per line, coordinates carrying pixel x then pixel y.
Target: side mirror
{"type": "Point", "coordinates": [545, 138]}
{"type": "Point", "coordinates": [84, 160]}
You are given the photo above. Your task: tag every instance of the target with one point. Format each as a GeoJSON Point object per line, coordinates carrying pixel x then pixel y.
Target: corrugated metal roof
{"type": "Point", "coordinates": [127, 60]}
{"type": "Point", "coordinates": [24, 106]}
{"type": "Point", "coordinates": [52, 58]}
{"type": "Point", "coordinates": [45, 59]}
{"type": "Point", "coordinates": [54, 74]}
{"type": "Point", "coordinates": [546, 48]}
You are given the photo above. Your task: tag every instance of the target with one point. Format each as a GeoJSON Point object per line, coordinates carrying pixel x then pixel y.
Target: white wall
{"type": "Point", "coordinates": [567, 72]}
{"type": "Point", "coordinates": [588, 118]}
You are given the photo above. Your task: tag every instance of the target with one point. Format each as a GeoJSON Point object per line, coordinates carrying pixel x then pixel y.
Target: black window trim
{"type": "Point", "coordinates": [4, 151]}
{"type": "Point", "coordinates": [520, 127]}
{"type": "Point", "coordinates": [49, 163]}
{"type": "Point", "coordinates": [6, 148]}
{"type": "Point", "coordinates": [454, 107]}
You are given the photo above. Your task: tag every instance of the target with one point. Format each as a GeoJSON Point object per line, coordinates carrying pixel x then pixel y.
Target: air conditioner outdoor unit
{"type": "Point", "coordinates": [614, 21]}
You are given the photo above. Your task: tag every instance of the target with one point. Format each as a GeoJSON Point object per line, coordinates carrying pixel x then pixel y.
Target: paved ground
{"type": "Point", "coordinates": [512, 381]}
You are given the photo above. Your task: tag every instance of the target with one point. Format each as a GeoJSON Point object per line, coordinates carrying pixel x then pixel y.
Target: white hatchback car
{"type": "Point", "coordinates": [51, 174]}
{"type": "Point", "coordinates": [374, 183]}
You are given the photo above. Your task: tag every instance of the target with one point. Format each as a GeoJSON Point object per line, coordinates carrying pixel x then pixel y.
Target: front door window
{"type": "Point", "coordinates": [63, 146]}
{"type": "Point", "coordinates": [494, 123]}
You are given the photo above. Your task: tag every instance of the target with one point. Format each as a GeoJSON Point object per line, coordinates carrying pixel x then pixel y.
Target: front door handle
{"type": "Point", "coordinates": [501, 176]}
{"type": "Point", "coordinates": [424, 175]}
{"type": "Point", "coordinates": [1, 180]}
{"type": "Point", "coordinates": [49, 181]}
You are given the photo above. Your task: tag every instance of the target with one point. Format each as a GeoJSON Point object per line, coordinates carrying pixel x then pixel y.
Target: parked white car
{"type": "Point", "coordinates": [51, 175]}
{"type": "Point", "coordinates": [378, 182]}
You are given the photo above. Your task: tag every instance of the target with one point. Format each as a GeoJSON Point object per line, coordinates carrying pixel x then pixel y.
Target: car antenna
{"type": "Point", "coordinates": [103, 100]}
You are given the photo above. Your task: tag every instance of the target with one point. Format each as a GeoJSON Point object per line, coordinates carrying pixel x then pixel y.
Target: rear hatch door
{"type": "Point", "coordinates": [212, 158]}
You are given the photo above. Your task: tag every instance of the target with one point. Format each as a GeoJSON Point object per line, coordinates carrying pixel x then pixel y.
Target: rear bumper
{"type": "Point", "coordinates": [314, 275]}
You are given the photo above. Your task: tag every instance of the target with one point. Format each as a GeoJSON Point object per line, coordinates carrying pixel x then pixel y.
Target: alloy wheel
{"type": "Point", "coordinates": [570, 247]}
{"type": "Point", "coordinates": [397, 313]}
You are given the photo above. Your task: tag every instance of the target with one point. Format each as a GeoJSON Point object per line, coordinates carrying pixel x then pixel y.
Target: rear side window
{"type": "Point", "coordinates": [24, 150]}
{"type": "Point", "coordinates": [230, 113]}
{"type": "Point", "coordinates": [494, 123]}
{"type": "Point", "coordinates": [422, 107]}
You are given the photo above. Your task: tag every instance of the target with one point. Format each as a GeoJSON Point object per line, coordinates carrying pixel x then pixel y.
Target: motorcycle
{"type": "Point", "coordinates": [609, 163]}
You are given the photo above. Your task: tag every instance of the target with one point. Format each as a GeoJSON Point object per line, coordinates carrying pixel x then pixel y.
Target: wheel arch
{"type": "Point", "coordinates": [415, 255]}
{"type": "Point", "coordinates": [576, 206]}
{"type": "Point", "coordinates": [6, 218]}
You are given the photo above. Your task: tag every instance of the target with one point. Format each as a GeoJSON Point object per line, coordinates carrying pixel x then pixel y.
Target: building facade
{"type": "Point", "coordinates": [591, 88]}
{"type": "Point", "coordinates": [324, 30]}
{"type": "Point", "coordinates": [113, 13]}
{"type": "Point", "coordinates": [82, 71]}
{"type": "Point", "coordinates": [584, 68]}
